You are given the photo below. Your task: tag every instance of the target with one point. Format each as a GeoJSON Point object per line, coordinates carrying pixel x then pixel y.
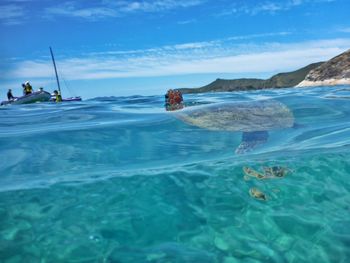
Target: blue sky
{"type": "Point", "coordinates": [118, 48]}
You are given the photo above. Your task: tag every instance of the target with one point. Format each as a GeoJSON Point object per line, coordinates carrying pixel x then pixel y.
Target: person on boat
{"type": "Point", "coordinates": [27, 88]}
{"type": "Point", "coordinates": [58, 96]}
{"type": "Point", "coordinates": [24, 88]}
{"type": "Point", "coordinates": [9, 95]}
{"type": "Point", "coordinates": [173, 100]}
{"type": "Point", "coordinates": [41, 89]}
{"type": "Point", "coordinates": [53, 95]}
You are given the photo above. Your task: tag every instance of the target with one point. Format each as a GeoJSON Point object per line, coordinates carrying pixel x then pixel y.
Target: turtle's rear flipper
{"type": "Point", "coordinates": [251, 140]}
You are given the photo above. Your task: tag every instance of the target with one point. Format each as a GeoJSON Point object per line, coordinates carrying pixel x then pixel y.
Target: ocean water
{"type": "Point", "coordinates": [120, 179]}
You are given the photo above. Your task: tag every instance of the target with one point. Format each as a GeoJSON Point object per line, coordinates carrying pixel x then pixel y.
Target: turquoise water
{"type": "Point", "coordinates": [122, 180]}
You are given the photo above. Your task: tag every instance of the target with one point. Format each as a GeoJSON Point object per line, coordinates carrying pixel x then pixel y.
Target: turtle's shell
{"type": "Point", "coordinates": [246, 116]}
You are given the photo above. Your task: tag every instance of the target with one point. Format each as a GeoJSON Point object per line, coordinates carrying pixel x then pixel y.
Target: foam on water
{"type": "Point", "coordinates": [121, 180]}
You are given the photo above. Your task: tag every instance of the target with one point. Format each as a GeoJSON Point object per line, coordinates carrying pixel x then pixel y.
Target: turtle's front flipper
{"type": "Point", "coordinates": [250, 140]}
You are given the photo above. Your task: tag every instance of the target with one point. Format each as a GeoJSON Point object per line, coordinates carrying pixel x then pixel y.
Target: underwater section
{"type": "Point", "coordinates": [120, 179]}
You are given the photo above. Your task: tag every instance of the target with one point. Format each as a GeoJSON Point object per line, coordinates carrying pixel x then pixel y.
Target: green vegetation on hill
{"type": "Point", "coordinates": [281, 80]}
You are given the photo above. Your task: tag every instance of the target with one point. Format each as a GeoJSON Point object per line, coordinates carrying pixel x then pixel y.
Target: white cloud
{"type": "Point", "coordinates": [188, 59]}
{"type": "Point", "coordinates": [186, 22]}
{"type": "Point", "coordinates": [70, 9]}
{"type": "Point", "coordinates": [344, 30]}
{"type": "Point", "coordinates": [116, 8]}
{"type": "Point", "coordinates": [195, 45]}
{"type": "Point", "coordinates": [19, 1]}
{"type": "Point", "coordinates": [11, 14]}
{"type": "Point", "coordinates": [270, 7]}
{"type": "Point", "coordinates": [156, 6]}
{"type": "Point", "coordinates": [251, 36]}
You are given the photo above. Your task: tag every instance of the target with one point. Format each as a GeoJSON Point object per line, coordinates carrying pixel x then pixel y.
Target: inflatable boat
{"type": "Point", "coordinates": [38, 96]}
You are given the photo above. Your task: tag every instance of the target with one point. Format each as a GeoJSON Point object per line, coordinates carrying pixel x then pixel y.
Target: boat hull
{"type": "Point", "coordinates": [53, 99]}
{"type": "Point", "coordinates": [39, 96]}
{"type": "Point", "coordinates": [72, 99]}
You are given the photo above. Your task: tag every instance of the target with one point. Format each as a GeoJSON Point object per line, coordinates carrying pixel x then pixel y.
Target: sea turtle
{"type": "Point", "coordinates": [276, 171]}
{"type": "Point", "coordinates": [252, 173]}
{"type": "Point", "coordinates": [269, 172]}
{"type": "Point", "coordinates": [257, 194]}
{"type": "Point", "coordinates": [253, 118]}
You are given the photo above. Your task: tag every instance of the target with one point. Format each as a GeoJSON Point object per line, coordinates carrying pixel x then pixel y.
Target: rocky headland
{"type": "Point", "coordinates": [335, 71]}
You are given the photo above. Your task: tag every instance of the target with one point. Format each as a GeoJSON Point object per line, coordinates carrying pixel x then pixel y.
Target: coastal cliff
{"type": "Point", "coordinates": [335, 71]}
{"type": "Point", "coordinates": [281, 80]}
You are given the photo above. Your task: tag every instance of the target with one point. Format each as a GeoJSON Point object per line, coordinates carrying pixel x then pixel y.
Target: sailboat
{"type": "Point", "coordinates": [77, 98]}
{"type": "Point", "coordinates": [41, 95]}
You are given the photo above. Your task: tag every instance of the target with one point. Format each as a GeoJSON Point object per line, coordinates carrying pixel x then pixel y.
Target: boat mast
{"type": "Point", "coordinates": [54, 64]}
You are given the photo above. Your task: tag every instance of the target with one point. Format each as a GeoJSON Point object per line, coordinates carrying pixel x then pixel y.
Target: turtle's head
{"type": "Point", "coordinates": [173, 100]}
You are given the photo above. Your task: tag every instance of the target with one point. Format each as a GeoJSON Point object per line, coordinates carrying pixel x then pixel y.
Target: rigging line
{"type": "Point", "coordinates": [71, 92]}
